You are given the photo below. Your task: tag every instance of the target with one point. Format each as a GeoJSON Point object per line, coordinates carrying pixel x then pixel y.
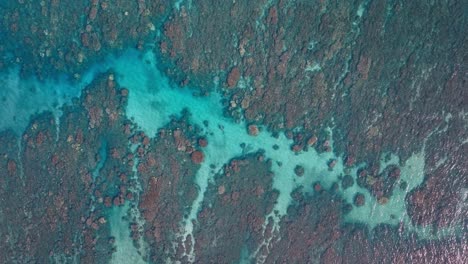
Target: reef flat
{"type": "Point", "coordinates": [219, 132]}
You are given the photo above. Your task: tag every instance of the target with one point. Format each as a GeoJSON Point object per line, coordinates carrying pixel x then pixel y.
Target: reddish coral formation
{"type": "Point", "coordinates": [331, 256]}
{"type": "Point", "coordinates": [312, 140]}
{"type": "Point", "coordinates": [117, 201]}
{"type": "Point", "coordinates": [253, 130]}
{"type": "Point", "coordinates": [197, 157]}
{"type": "Point", "coordinates": [296, 148]}
{"type": "Point", "coordinates": [95, 116]}
{"type": "Point", "coordinates": [11, 167]}
{"type": "Point", "coordinates": [382, 200]}
{"type": "Point", "coordinates": [182, 143]}
{"type": "Point", "coordinates": [221, 190]}
{"type": "Point", "coordinates": [273, 15]}
{"type": "Point", "coordinates": [233, 77]}
{"type": "Point", "coordinates": [349, 161]}
{"type": "Point", "coordinates": [317, 187]}
{"type": "Point", "coordinates": [202, 142]}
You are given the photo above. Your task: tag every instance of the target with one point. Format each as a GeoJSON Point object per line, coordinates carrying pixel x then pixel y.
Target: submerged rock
{"type": "Point", "coordinates": [299, 170]}
{"type": "Point", "coordinates": [347, 182]}
{"type": "Point", "coordinates": [359, 199]}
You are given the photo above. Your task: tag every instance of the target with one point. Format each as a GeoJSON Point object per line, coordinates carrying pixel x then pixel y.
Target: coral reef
{"type": "Point", "coordinates": [57, 211]}
{"type": "Point", "coordinates": [359, 107]}
{"type": "Point", "coordinates": [230, 221]}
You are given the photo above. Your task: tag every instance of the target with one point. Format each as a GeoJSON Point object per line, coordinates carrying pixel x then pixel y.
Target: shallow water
{"type": "Point", "coordinates": [22, 98]}
{"type": "Point", "coordinates": [153, 99]}
{"type": "Point", "coordinates": [120, 230]}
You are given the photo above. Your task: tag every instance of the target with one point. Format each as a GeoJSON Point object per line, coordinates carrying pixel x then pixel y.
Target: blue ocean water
{"type": "Point", "coordinates": [153, 99]}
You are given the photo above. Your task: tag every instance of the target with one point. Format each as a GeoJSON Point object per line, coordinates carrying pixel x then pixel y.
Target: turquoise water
{"type": "Point", "coordinates": [153, 99]}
